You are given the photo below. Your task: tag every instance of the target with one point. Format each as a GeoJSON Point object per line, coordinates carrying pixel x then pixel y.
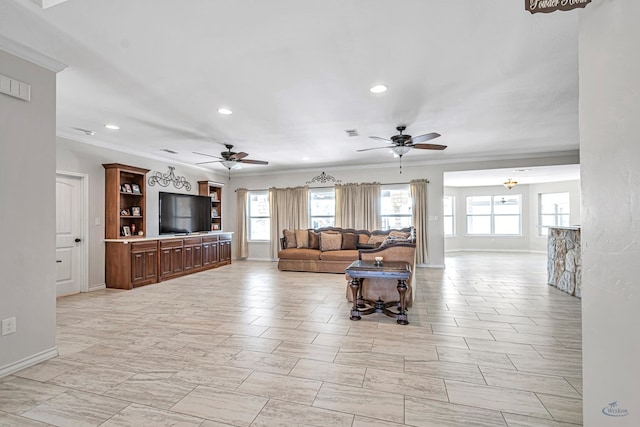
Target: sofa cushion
{"type": "Point", "coordinates": [314, 240]}
{"type": "Point", "coordinates": [290, 239]}
{"type": "Point", "coordinates": [349, 241]}
{"type": "Point", "coordinates": [343, 255]}
{"type": "Point", "coordinates": [377, 239]}
{"type": "Point", "coordinates": [363, 238]}
{"type": "Point", "coordinates": [395, 234]}
{"type": "Point", "coordinates": [302, 238]}
{"type": "Point", "coordinates": [295, 253]}
{"type": "Point", "coordinates": [330, 241]}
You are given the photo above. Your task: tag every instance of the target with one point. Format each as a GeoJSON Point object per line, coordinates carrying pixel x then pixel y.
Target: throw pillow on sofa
{"type": "Point", "coordinates": [330, 242]}
{"type": "Point", "coordinates": [349, 241]}
{"type": "Point", "coordinates": [377, 239]}
{"type": "Point", "coordinates": [290, 239]}
{"type": "Point", "coordinates": [314, 240]}
{"type": "Point", "coordinates": [399, 234]}
{"type": "Point", "coordinates": [302, 238]}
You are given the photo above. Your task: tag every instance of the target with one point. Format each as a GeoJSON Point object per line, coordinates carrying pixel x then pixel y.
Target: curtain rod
{"type": "Point", "coordinates": [332, 186]}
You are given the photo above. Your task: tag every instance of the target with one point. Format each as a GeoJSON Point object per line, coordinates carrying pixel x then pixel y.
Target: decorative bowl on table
{"type": "Point", "coordinates": [378, 261]}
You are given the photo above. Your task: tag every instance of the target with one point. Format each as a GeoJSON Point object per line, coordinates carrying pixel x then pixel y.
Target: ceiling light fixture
{"type": "Point", "coordinates": [510, 183]}
{"type": "Point", "coordinates": [400, 150]}
{"type": "Point", "coordinates": [231, 164]}
{"type": "Point", "coordinates": [225, 111]}
{"type": "Point", "coordinates": [378, 89]}
{"type": "Point", "coordinates": [112, 126]}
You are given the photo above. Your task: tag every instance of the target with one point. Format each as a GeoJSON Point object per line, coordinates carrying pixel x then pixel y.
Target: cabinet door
{"type": "Point", "coordinates": [206, 254]}
{"type": "Point", "coordinates": [225, 251]}
{"type": "Point", "coordinates": [197, 256]}
{"type": "Point", "coordinates": [188, 258]}
{"type": "Point", "coordinates": [215, 253]}
{"type": "Point", "coordinates": [138, 269]}
{"type": "Point", "coordinates": [165, 262]}
{"type": "Point", "coordinates": [177, 260]}
{"type": "Point", "coordinates": [151, 265]}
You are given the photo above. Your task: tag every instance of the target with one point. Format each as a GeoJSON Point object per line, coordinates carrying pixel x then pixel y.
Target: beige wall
{"type": "Point", "coordinates": [610, 157]}
{"type": "Point", "coordinates": [27, 216]}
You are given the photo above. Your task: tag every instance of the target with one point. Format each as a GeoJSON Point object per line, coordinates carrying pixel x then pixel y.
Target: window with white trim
{"type": "Point", "coordinates": [494, 215]}
{"type": "Point", "coordinates": [449, 203]}
{"type": "Point", "coordinates": [395, 206]}
{"type": "Point", "coordinates": [553, 210]}
{"type": "Point", "coordinates": [322, 207]}
{"type": "Point", "coordinates": [259, 219]}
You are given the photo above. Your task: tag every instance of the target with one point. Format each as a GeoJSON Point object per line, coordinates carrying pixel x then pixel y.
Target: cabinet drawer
{"type": "Point", "coordinates": [209, 239]}
{"type": "Point", "coordinates": [225, 237]}
{"type": "Point", "coordinates": [171, 244]}
{"type": "Point", "coordinates": [193, 241]}
{"type": "Point", "coordinates": [144, 246]}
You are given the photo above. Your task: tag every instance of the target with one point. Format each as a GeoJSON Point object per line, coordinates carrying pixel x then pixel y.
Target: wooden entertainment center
{"type": "Point", "coordinates": [135, 259]}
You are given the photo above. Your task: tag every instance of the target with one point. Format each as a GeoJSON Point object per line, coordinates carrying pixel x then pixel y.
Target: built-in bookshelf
{"type": "Point", "coordinates": [214, 191]}
{"type": "Point", "coordinates": [125, 201]}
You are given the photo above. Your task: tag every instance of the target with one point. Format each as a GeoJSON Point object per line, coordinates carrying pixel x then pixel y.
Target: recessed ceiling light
{"type": "Point", "coordinates": [112, 126]}
{"type": "Point", "coordinates": [225, 111]}
{"type": "Point", "coordinates": [378, 89]}
{"type": "Point", "coordinates": [305, 158]}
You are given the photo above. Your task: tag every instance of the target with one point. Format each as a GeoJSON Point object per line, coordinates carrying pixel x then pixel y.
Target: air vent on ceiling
{"type": "Point", "coordinates": [352, 132]}
{"type": "Point", "coordinates": [166, 150]}
{"type": "Point", "coordinates": [87, 132]}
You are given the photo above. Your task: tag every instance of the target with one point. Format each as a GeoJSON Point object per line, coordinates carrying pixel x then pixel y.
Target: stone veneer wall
{"type": "Point", "coordinates": [564, 263]}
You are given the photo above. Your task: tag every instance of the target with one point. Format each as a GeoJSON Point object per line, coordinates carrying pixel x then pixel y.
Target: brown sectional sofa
{"type": "Point", "coordinates": [332, 257]}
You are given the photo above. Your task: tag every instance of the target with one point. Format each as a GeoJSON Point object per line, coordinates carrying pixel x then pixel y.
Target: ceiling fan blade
{"type": "Point", "coordinates": [425, 137]}
{"type": "Point", "coordinates": [212, 161]}
{"type": "Point", "coordinates": [254, 162]}
{"type": "Point", "coordinates": [429, 146]}
{"type": "Point", "coordinates": [380, 139]}
{"type": "Point", "coordinates": [377, 148]}
{"type": "Point", "coordinates": [208, 155]}
{"type": "Point", "coordinates": [238, 156]}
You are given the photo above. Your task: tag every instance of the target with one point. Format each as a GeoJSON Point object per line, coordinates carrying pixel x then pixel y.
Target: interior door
{"type": "Point", "coordinates": [69, 238]}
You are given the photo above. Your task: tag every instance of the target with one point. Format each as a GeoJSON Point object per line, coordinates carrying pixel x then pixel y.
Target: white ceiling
{"type": "Point", "coordinates": [525, 175]}
{"type": "Point", "coordinates": [487, 75]}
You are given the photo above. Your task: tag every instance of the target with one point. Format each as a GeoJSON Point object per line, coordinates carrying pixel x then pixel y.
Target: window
{"type": "Point", "coordinates": [494, 215]}
{"type": "Point", "coordinates": [449, 215]}
{"type": "Point", "coordinates": [322, 207]}
{"type": "Point", "coordinates": [553, 210]}
{"type": "Point", "coordinates": [395, 206]}
{"type": "Point", "coordinates": [259, 225]}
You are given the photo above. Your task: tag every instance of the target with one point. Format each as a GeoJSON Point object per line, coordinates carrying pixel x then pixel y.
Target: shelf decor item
{"type": "Point", "coordinates": [127, 188]}
{"type": "Point", "coordinates": [126, 231]}
{"type": "Point", "coordinates": [135, 211]}
{"type": "Point", "coordinates": [135, 188]}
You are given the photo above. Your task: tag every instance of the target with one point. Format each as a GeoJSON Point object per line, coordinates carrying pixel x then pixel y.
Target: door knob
{"type": "Point", "coordinates": [58, 261]}
{"type": "Point", "coordinates": [78, 240]}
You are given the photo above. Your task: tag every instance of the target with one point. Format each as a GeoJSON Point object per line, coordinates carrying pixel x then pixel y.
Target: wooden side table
{"type": "Point", "coordinates": [392, 270]}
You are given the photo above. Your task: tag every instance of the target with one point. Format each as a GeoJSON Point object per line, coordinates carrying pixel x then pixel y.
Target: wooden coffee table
{"type": "Point", "coordinates": [392, 270]}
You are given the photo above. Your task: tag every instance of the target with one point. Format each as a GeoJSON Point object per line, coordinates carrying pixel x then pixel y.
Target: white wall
{"type": "Point", "coordinates": [530, 241]}
{"type": "Point", "coordinates": [385, 174]}
{"type": "Point", "coordinates": [610, 157]}
{"type": "Point", "coordinates": [27, 216]}
{"type": "Point", "coordinates": [78, 157]}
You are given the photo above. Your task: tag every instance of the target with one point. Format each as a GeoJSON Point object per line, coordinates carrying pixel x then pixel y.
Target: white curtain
{"type": "Point", "coordinates": [358, 206]}
{"type": "Point", "coordinates": [420, 218]}
{"type": "Point", "coordinates": [242, 229]}
{"type": "Point", "coordinates": [288, 210]}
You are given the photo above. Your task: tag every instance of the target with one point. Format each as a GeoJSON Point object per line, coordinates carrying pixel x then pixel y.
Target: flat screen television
{"type": "Point", "coordinates": [184, 213]}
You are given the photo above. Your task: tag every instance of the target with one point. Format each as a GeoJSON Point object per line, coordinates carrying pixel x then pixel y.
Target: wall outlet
{"type": "Point", "coordinates": [9, 326]}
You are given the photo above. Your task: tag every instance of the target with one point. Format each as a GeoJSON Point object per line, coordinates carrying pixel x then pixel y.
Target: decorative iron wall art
{"type": "Point", "coordinates": [164, 180]}
{"type": "Point", "coordinates": [323, 178]}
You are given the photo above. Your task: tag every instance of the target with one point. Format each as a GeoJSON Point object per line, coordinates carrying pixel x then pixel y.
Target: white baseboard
{"type": "Point", "coordinates": [97, 287]}
{"type": "Point", "coordinates": [523, 251]}
{"type": "Point", "coordinates": [261, 259]}
{"type": "Point", "coordinates": [28, 361]}
{"type": "Point", "coordinates": [430, 265]}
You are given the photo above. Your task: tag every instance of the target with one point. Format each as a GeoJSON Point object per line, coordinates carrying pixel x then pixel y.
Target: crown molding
{"type": "Point", "coordinates": [31, 55]}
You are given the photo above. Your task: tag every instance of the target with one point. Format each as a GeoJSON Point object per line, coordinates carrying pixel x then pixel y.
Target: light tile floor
{"type": "Point", "coordinates": [489, 344]}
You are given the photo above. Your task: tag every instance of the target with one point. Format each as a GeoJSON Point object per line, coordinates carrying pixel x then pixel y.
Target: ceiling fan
{"type": "Point", "coordinates": [401, 144]}
{"type": "Point", "coordinates": [231, 160]}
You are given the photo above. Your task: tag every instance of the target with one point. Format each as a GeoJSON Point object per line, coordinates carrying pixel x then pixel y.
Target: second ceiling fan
{"type": "Point", "coordinates": [401, 143]}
